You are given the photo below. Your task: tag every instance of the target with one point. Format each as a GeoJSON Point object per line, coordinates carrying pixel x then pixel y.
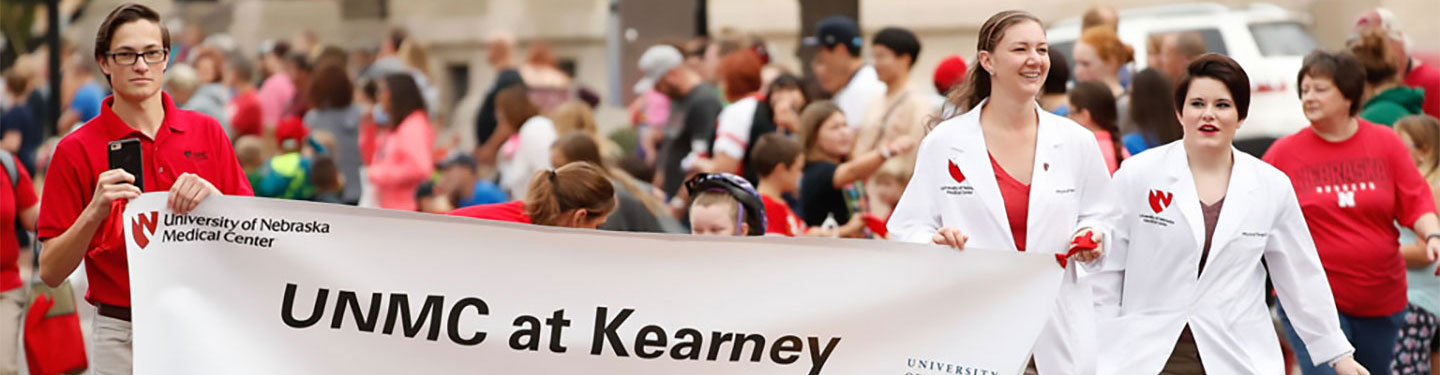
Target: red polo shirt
{"type": "Point", "coordinates": [14, 199]}
{"type": "Point", "coordinates": [187, 142]}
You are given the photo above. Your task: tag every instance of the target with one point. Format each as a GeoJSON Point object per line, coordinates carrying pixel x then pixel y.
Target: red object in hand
{"type": "Point", "coordinates": [111, 235]}
{"type": "Point", "coordinates": [53, 345]}
{"type": "Point", "coordinates": [1081, 242]}
{"type": "Point", "coordinates": [876, 225]}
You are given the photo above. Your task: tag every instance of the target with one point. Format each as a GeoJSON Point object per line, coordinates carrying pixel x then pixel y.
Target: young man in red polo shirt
{"type": "Point", "coordinates": [184, 152]}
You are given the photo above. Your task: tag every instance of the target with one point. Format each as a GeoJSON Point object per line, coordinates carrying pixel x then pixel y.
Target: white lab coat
{"type": "Point", "coordinates": [1148, 288]}
{"type": "Point", "coordinates": [1069, 190]}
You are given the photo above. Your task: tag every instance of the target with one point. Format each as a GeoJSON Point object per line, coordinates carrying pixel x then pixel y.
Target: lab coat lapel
{"type": "Point", "coordinates": [1182, 186]}
{"type": "Point", "coordinates": [1239, 196]}
{"type": "Point", "coordinates": [973, 160]}
{"type": "Point", "coordinates": [1043, 182]}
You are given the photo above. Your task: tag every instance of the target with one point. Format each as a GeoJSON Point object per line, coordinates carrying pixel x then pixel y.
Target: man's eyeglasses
{"type": "Point", "coordinates": [128, 58]}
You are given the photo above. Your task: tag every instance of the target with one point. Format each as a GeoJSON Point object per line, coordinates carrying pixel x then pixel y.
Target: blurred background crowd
{"type": "Point", "coordinates": [438, 105]}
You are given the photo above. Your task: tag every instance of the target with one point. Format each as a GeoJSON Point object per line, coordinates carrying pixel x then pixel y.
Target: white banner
{"type": "Point", "coordinates": [259, 286]}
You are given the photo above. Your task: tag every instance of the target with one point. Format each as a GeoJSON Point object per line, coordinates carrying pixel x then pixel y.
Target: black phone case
{"type": "Point", "coordinates": [126, 154]}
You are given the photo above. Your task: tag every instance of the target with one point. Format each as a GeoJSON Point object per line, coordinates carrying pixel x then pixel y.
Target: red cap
{"type": "Point", "coordinates": [290, 128]}
{"type": "Point", "coordinates": [247, 121]}
{"type": "Point", "coordinates": [949, 73]}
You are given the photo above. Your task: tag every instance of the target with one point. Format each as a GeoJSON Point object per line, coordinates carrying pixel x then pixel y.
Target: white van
{"type": "Point", "coordinates": [1268, 41]}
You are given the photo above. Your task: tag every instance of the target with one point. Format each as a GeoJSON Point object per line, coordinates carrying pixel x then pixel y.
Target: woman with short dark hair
{"type": "Point", "coordinates": [1183, 289]}
{"type": "Point", "coordinates": [1354, 181]}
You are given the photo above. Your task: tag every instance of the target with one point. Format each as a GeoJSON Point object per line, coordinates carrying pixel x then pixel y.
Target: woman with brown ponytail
{"type": "Point", "coordinates": [577, 195]}
{"type": "Point", "coordinates": [1009, 176]}
{"type": "Point", "coordinates": [638, 209]}
{"type": "Point", "coordinates": [1092, 106]}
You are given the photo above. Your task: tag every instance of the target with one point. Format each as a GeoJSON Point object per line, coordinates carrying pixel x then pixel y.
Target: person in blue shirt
{"type": "Point", "coordinates": [85, 102]}
{"type": "Point", "coordinates": [460, 180]}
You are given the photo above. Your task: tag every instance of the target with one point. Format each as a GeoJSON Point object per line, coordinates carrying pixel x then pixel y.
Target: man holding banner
{"type": "Point", "coordinates": [180, 151]}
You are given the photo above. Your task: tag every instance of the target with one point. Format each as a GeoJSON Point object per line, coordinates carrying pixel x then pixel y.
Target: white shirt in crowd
{"type": "Point", "coordinates": [864, 88]}
{"type": "Point", "coordinates": [1150, 286]}
{"type": "Point", "coordinates": [732, 133]}
{"type": "Point", "coordinates": [528, 152]}
{"type": "Point", "coordinates": [954, 185]}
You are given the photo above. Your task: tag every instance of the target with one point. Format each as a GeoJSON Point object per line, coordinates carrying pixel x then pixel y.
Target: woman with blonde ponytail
{"type": "Point", "coordinates": [577, 195]}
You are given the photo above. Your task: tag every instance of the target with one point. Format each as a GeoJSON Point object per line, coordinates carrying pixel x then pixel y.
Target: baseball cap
{"type": "Point", "coordinates": [835, 30]}
{"type": "Point", "coordinates": [1382, 18]}
{"type": "Point", "coordinates": [950, 71]}
{"type": "Point", "coordinates": [290, 129]}
{"type": "Point", "coordinates": [458, 159]}
{"type": "Point", "coordinates": [657, 61]}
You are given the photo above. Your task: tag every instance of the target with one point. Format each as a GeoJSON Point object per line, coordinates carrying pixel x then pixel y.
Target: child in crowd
{"type": "Point", "coordinates": [431, 199]}
{"type": "Point", "coordinates": [286, 175]}
{"type": "Point", "coordinates": [1419, 342]}
{"type": "Point", "coordinates": [777, 160]}
{"type": "Point", "coordinates": [329, 183]}
{"type": "Point", "coordinates": [886, 186]}
{"type": "Point", "coordinates": [250, 149]}
{"type": "Point", "coordinates": [724, 204]}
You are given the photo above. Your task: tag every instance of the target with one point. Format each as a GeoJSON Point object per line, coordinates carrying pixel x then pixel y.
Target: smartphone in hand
{"type": "Point", "coordinates": [125, 154]}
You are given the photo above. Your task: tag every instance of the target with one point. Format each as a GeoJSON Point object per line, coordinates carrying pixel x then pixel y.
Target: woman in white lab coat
{"type": "Point", "coordinates": [1010, 176]}
{"type": "Point", "coordinates": [1182, 290]}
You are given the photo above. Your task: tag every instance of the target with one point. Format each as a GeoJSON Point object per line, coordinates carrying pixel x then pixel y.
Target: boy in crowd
{"type": "Point", "coordinates": [779, 163]}
{"type": "Point", "coordinates": [724, 204]}
{"type": "Point", "coordinates": [886, 186]}
{"type": "Point", "coordinates": [250, 150]}
{"type": "Point", "coordinates": [286, 175]}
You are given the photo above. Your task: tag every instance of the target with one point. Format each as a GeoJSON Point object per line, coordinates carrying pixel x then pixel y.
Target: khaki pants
{"type": "Point", "coordinates": [12, 313]}
{"type": "Point", "coordinates": [112, 351]}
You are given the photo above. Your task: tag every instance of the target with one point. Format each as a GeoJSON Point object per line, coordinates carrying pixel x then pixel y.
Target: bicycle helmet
{"type": "Point", "coordinates": [752, 209]}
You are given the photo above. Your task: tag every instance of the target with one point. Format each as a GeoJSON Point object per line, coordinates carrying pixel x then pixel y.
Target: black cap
{"type": "Point", "coordinates": [835, 30]}
{"type": "Point", "coordinates": [458, 159]}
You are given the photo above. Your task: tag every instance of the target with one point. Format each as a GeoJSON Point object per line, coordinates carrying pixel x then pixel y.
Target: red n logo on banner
{"type": "Point", "coordinates": [143, 227]}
